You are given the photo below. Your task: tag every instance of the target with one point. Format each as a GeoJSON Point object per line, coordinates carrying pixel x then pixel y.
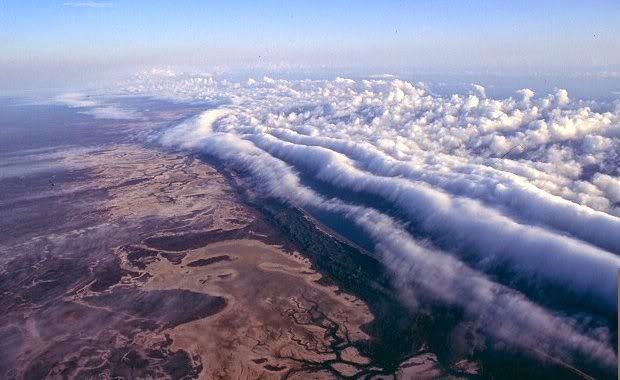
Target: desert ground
{"type": "Point", "coordinates": [130, 262]}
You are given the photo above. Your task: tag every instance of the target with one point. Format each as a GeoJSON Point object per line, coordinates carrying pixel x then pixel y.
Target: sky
{"type": "Point", "coordinates": [50, 43]}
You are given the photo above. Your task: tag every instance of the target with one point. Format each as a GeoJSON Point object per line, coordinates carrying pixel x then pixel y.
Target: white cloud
{"type": "Point", "coordinates": [77, 100]}
{"type": "Point", "coordinates": [162, 71]}
{"type": "Point", "coordinates": [383, 76]}
{"type": "Point", "coordinates": [499, 310]}
{"type": "Point", "coordinates": [89, 105]}
{"type": "Point", "coordinates": [448, 166]}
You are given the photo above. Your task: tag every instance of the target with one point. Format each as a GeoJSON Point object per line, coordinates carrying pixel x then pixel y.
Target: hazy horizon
{"type": "Point", "coordinates": [62, 44]}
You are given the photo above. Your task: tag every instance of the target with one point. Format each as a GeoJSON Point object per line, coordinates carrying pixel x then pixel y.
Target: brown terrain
{"type": "Point", "coordinates": [134, 263]}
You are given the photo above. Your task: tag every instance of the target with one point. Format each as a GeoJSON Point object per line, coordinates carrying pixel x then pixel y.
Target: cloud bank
{"type": "Point", "coordinates": [526, 187]}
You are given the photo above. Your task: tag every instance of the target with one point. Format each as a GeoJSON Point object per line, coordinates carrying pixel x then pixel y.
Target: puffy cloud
{"type": "Point", "coordinates": [525, 157]}
{"type": "Point", "coordinates": [525, 183]}
{"type": "Point", "coordinates": [467, 226]}
{"type": "Point", "coordinates": [611, 186]}
{"type": "Point", "coordinates": [480, 90]}
{"type": "Point", "coordinates": [189, 135]}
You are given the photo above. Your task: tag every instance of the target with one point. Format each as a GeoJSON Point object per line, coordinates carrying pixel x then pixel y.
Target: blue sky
{"type": "Point", "coordinates": [80, 37]}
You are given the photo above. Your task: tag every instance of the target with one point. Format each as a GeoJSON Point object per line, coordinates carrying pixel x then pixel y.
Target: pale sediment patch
{"type": "Point", "coordinates": [267, 327]}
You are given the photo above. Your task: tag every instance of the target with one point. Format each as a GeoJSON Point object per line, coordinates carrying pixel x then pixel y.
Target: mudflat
{"type": "Point", "coordinates": [130, 262]}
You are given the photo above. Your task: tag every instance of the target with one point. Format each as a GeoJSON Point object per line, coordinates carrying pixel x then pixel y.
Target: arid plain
{"type": "Point", "coordinates": [125, 261]}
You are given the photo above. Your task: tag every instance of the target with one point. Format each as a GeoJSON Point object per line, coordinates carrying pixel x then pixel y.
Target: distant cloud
{"type": "Point", "coordinates": [88, 4]}
{"type": "Point", "coordinates": [95, 108]}
{"type": "Point", "coordinates": [162, 71]}
{"type": "Point", "coordinates": [599, 74]}
{"type": "Point", "coordinates": [383, 76]}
